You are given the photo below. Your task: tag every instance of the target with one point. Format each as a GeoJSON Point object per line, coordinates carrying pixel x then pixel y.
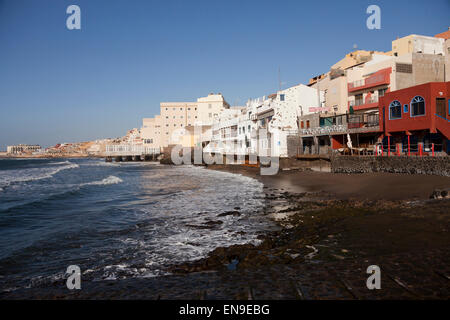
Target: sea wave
{"type": "Point", "coordinates": [106, 181]}
{"type": "Point", "coordinates": [25, 175]}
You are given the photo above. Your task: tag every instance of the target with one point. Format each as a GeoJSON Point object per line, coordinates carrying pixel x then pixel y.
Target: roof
{"type": "Point", "coordinates": [444, 35]}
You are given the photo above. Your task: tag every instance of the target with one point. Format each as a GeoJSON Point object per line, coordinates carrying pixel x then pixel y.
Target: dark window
{"type": "Point", "coordinates": [381, 92]}
{"type": "Point", "coordinates": [395, 110]}
{"type": "Point", "coordinates": [404, 67]}
{"type": "Point", "coordinates": [417, 106]}
{"type": "Point", "coordinates": [281, 97]}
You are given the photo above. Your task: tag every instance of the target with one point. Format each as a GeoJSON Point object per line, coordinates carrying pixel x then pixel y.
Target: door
{"type": "Point", "coordinates": [440, 107]}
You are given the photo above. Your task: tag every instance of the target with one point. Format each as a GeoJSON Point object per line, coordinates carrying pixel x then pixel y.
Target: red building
{"type": "Point", "coordinates": [416, 119]}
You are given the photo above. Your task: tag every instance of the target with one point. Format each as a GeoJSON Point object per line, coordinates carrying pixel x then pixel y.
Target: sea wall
{"type": "Point", "coordinates": [410, 165]}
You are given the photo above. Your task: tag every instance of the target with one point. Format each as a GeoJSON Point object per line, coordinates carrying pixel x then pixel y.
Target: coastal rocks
{"type": "Point", "coordinates": [229, 213]}
{"type": "Point", "coordinates": [211, 224]}
{"type": "Point", "coordinates": [440, 194]}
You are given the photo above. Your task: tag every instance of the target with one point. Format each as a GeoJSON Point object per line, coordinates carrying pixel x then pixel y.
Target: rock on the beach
{"type": "Point", "coordinates": [440, 194]}
{"type": "Point", "coordinates": [229, 213]}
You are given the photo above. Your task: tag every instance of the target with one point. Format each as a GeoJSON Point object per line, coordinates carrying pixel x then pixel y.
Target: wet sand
{"type": "Point", "coordinates": [367, 186]}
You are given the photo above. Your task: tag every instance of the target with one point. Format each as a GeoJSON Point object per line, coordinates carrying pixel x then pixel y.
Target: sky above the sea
{"type": "Point", "coordinates": [60, 85]}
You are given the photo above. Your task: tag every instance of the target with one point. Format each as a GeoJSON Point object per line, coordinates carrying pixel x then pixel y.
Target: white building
{"type": "Point", "coordinates": [262, 126]}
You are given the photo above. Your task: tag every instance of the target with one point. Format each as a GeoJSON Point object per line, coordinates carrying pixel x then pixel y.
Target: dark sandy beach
{"type": "Point", "coordinates": [371, 186]}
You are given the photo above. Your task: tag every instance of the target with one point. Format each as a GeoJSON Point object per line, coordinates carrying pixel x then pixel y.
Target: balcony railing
{"type": "Point", "coordinates": [363, 102]}
{"type": "Point", "coordinates": [379, 78]}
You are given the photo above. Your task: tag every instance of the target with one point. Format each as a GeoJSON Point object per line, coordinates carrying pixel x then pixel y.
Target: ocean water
{"type": "Point", "coordinates": [116, 220]}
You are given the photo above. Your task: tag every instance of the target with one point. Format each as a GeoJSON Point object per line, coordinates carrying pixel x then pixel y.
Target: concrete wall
{"type": "Point", "coordinates": [409, 165]}
{"type": "Point", "coordinates": [415, 43]}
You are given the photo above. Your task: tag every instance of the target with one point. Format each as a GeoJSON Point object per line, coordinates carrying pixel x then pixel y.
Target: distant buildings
{"type": "Point", "coordinates": [23, 149]}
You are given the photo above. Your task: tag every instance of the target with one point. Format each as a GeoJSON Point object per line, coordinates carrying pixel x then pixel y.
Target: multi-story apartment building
{"type": "Point", "coordinates": [175, 116]}
{"type": "Point", "coordinates": [334, 82]}
{"type": "Point", "coordinates": [169, 126]}
{"type": "Point", "coordinates": [446, 36]}
{"type": "Point", "coordinates": [262, 127]}
{"type": "Point", "coordinates": [151, 132]}
{"type": "Point", "coordinates": [415, 60]}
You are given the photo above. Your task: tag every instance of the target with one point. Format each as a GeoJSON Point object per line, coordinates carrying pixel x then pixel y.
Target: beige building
{"type": "Point", "coordinates": [209, 108]}
{"type": "Point", "coordinates": [169, 126]}
{"type": "Point", "coordinates": [334, 82]}
{"type": "Point", "coordinates": [446, 36]}
{"type": "Point", "coordinates": [151, 132]}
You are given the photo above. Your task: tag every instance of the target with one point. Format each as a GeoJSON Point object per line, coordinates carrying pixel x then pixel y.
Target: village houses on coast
{"type": "Point", "coordinates": [368, 102]}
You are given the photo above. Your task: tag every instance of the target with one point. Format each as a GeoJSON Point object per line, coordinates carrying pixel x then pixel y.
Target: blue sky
{"type": "Point", "coordinates": [58, 85]}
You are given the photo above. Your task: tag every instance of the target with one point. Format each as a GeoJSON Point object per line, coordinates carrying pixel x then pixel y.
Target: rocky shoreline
{"type": "Point", "coordinates": [325, 241]}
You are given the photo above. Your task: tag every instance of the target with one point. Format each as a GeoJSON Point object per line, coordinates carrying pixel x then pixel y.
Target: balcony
{"type": "Point", "coordinates": [381, 77]}
{"type": "Point", "coordinates": [363, 121]}
{"type": "Point", "coordinates": [369, 103]}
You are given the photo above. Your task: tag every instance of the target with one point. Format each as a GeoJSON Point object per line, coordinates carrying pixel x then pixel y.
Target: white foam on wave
{"type": "Point", "coordinates": [32, 174]}
{"type": "Point", "coordinates": [106, 181]}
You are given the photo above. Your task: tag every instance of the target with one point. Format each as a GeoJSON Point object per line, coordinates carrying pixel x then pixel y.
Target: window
{"type": "Point", "coordinates": [209, 106]}
{"type": "Point", "coordinates": [417, 106]}
{"type": "Point", "coordinates": [210, 115]}
{"type": "Point", "coordinates": [307, 124]}
{"type": "Point", "coordinates": [248, 128]}
{"type": "Point", "coordinates": [405, 108]}
{"type": "Point", "coordinates": [359, 99]}
{"type": "Point", "coordinates": [395, 110]}
{"type": "Point", "coordinates": [302, 125]}
{"type": "Point", "coordinates": [381, 92]}
{"type": "Point", "coordinates": [281, 97]}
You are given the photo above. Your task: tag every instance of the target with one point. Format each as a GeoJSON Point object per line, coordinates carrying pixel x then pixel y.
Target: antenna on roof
{"type": "Point", "coordinates": [279, 79]}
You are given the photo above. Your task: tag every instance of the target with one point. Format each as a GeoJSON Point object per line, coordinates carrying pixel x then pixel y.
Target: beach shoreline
{"type": "Point", "coordinates": [327, 238]}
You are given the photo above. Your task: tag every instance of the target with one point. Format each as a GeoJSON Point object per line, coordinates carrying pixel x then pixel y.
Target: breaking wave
{"type": "Point", "coordinates": [106, 181]}
{"type": "Point", "coordinates": [32, 174]}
